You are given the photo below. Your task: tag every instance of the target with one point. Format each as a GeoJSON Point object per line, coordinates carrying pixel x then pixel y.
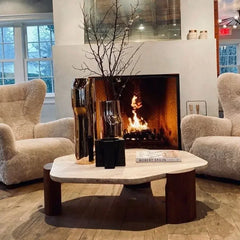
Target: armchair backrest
{"type": "Point", "coordinates": [229, 96]}
{"type": "Point", "coordinates": [20, 106]}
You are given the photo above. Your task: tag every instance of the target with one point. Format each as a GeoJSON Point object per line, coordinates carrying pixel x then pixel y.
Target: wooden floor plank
{"type": "Point", "coordinates": [113, 212]}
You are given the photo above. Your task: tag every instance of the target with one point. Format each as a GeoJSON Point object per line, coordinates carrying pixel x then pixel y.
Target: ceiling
{"type": "Point", "coordinates": [228, 8]}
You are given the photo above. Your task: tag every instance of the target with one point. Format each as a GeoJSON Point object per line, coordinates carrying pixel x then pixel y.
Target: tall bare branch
{"type": "Point", "coordinates": [108, 39]}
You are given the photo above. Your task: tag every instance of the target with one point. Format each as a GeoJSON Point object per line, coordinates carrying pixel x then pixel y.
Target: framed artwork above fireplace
{"type": "Point", "coordinates": [156, 19]}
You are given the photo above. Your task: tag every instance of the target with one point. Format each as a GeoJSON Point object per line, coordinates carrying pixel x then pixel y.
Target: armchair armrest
{"type": "Point", "coordinates": [60, 128]}
{"type": "Point", "coordinates": [7, 142]}
{"type": "Point", "coordinates": [194, 126]}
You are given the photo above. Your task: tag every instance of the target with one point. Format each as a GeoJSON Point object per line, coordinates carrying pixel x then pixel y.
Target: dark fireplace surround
{"type": "Point", "coordinates": [158, 105]}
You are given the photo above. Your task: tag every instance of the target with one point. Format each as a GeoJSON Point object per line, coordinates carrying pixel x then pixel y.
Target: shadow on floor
{"type": "Point", "coordinates": [134, 209]}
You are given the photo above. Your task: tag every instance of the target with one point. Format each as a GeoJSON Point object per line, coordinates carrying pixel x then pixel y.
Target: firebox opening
{"type": "Point", "coordinates": [150, 110]}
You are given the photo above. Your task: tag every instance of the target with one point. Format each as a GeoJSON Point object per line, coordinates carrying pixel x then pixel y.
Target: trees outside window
{"type": "Point", "coordinates": [40, 39]}
{"type": "Point", "coordinates": [26, 53]}
{"type": "Point", "coordinates": [228, 58]}
{"type": "Point", "coordinates": [7, 55]}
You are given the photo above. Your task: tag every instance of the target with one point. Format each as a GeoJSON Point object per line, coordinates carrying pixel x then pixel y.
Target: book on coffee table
{"type": "Point", "coordinates": [157, 156]}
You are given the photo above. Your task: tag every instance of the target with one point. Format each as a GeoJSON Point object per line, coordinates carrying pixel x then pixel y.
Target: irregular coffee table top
{"type": "Point", "coordinates": [66, 169]}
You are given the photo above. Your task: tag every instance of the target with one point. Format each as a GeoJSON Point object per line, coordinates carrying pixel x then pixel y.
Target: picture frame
{"type": "Point", "coordinates": [196, 107]}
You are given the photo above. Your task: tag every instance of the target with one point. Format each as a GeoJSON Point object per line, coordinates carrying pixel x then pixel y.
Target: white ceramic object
{"type": "Point", "coordinates": [192, 35]}
{"type": "Point", "coordinates": [203, 34]}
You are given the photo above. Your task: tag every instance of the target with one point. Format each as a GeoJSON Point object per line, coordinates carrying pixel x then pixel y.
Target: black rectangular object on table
{"type": "Point", "coordinates": [110, 152]}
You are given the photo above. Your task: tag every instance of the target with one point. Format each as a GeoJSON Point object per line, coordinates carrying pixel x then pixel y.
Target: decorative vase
{"type": "Point", "coordinates": [111, 119]}
{"type": "Point", "coordinates": [203, 34]}
{"type": "Point", "coordinates": [83, 100]}
{"type": "Point", "coordinates": [192, 35]}
{"type": "Point", "coordinates": [110, 150]}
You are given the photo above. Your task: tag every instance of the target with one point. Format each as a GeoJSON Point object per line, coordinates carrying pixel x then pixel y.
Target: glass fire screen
{"type": "Point", "coordinates": [155, 19]}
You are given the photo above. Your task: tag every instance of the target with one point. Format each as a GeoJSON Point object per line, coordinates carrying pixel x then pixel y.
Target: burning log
{"type": "Point", "coordinates": [146, 135]}
{"type": "Point", "coordinates": [138, 134]}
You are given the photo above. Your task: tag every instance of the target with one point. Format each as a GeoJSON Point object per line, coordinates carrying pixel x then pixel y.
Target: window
{"type": "Point", "coordinates": [228, 58]}
{"type": "Point", "coordinates": [26, 53]}
{"type": "Point", "coordinates": [7, 55]}
{"type": "Point", "coordinates": [39, 54]}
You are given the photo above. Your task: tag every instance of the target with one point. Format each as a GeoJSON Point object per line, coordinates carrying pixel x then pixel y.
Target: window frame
{"type": "Point", "coordinates": [10, 60]}
{"type": "Point", "coordinates": [230, 43]}
{"type": "Point", "coordinates": [19, 22]}
{"type": "Point", "coordinates": [26, 59]}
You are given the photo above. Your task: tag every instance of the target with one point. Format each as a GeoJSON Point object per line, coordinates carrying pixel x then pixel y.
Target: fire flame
{"type": "Point", "coordinates": [135, 123]}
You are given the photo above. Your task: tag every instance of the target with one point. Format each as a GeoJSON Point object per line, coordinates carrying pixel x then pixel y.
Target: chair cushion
{"type": "Point", "coordinates": [222, 154]}
{"type": "Point", "coordinates": [31, 156]}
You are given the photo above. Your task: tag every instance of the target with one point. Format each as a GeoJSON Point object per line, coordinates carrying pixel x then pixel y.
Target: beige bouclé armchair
{"type": "Point", "coordinates": [25, 143]}
{"type": "Point", "coordinates": [214, 139]}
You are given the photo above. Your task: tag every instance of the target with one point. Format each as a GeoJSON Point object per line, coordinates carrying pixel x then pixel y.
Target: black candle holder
{"type": "Point", "coordinates": [110, 152]}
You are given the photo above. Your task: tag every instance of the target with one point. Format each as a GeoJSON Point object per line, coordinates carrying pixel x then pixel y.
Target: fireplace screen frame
{"type": "Point", "coordinates": [101, 96]}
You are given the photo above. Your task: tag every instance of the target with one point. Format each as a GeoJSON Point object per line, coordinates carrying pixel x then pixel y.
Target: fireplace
{"type": "Point", "coordinates": [150, 110]}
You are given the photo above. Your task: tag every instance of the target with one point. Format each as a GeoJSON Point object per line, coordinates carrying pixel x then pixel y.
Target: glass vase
{"type": "Point", "coordinates": [111, 119]}
{"type": "Point", "coordinates": [110, 149]}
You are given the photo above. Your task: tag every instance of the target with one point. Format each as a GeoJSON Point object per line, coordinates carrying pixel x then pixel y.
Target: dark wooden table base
{"type": "Point", "coordinates": [52, 193]}
{"type": "Point", "coordinates": [180, 195]}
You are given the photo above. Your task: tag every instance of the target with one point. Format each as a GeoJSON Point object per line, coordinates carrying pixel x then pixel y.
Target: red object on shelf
{"type": "Point", "coordinates": [225, 31]}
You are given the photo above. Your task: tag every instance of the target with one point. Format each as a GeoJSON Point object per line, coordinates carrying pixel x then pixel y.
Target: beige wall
{"type": "Point", "coordinates": [9, 7]}
{"type": "Point", "coordinates": [194, 60]}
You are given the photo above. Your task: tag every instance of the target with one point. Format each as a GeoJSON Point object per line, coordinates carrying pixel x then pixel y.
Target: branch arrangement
{"type": "Point", "coordinates": [108, 40]}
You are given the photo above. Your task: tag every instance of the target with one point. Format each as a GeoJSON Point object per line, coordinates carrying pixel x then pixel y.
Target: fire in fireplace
{"type": "Point", "coordinates": [136, 124]}
{"type": "Point", "coordinates": [150, 110]}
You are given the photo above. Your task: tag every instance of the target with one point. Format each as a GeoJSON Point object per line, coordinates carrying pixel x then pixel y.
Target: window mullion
{"type": "Point", "coordinates": [39, 68]}
{"type": "Point", "coordinates": [19, 54]}
{"type": "Point", "coordinates": [1, 64]}
{"type": "Point", "coordinates": [39, 43]}
{"type": "Point", "coordinates": [238, 55]}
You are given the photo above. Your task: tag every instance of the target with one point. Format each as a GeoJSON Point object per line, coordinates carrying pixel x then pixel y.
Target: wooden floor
{"type": "Point", "coordinates": [113, 212]}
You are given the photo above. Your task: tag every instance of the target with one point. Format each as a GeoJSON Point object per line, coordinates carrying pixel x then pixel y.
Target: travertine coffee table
{"type": "Point", "coordinates": [180, 186]}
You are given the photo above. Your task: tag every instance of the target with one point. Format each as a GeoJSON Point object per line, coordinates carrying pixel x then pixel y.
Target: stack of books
{"type": "Point", "coordinates": [157, 156]}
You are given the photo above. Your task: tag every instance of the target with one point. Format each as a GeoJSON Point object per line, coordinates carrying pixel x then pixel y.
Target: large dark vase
{"type": "Point", "coordinates": [83, 102]}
